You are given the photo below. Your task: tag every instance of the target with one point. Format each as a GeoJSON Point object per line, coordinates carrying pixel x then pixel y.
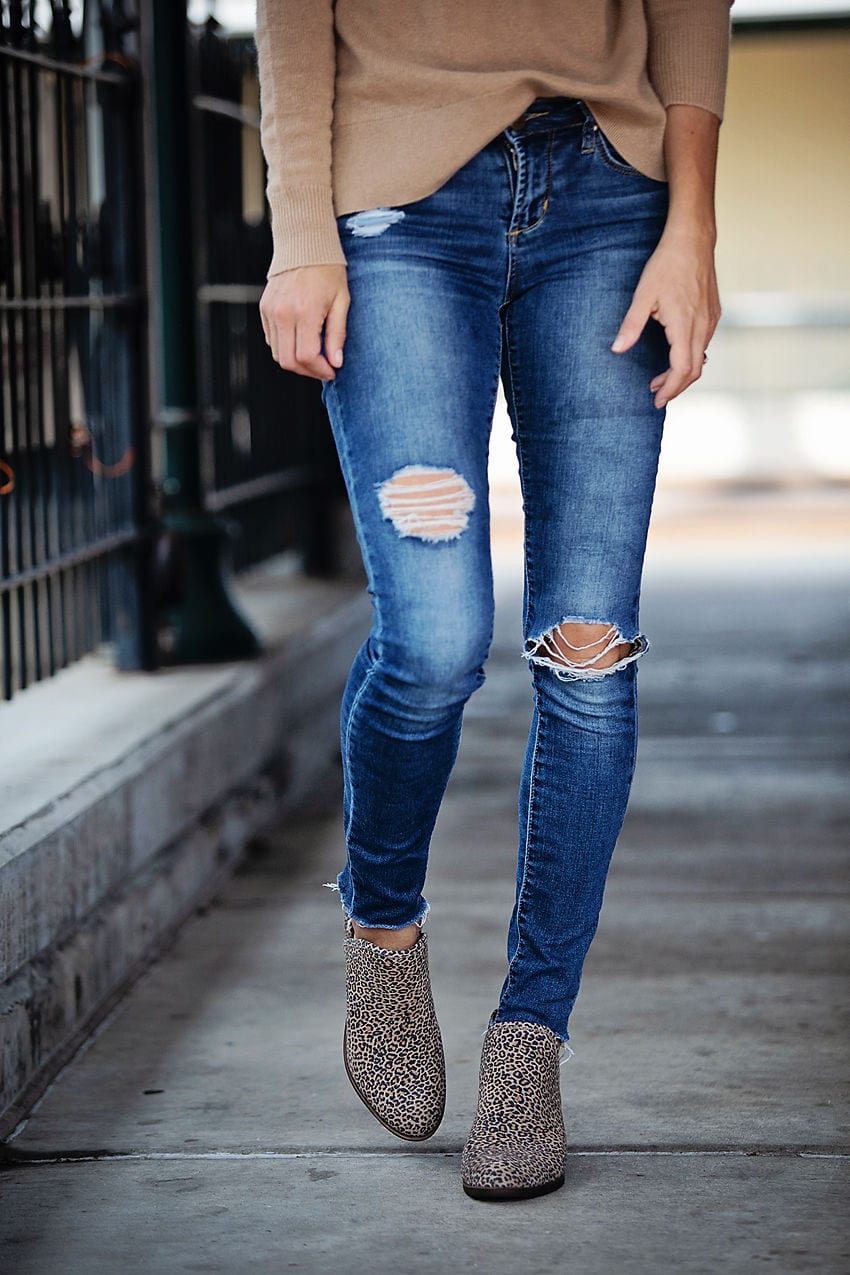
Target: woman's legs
{"type": "Point", "coordinates": [588, 439]}
{"type": "Point", "coordinates": [411, 411]}
{"type": "Point", "coordinates": [546, 229]}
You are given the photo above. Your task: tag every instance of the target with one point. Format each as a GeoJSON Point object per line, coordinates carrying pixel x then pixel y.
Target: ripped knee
{"type": "Point", "coordinates": [427, 501]}
{"type": "Point", "coordinates": [577, 649]}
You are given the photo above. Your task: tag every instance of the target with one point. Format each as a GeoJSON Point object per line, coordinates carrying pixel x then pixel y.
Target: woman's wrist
{"type": "Point", "coordinates": [690, 149]}
{"type": "Point", "coordinates": [697, 230]}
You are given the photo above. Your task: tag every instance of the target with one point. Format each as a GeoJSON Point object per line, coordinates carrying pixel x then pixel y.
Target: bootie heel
{"type": "Point", "coordinates": [392, 1047]}
{"type": "Point", "coordinates": [517, 1145]}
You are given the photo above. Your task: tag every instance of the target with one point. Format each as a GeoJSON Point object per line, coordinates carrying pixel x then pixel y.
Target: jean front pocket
{"type": "Point", "coordinates": [600, 144]}
{"type": "Point", "coordinates": [612, 157]}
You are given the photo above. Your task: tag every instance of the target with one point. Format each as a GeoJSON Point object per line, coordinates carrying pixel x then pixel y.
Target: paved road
{"type": "Point", "coordinates": [704, 1101]}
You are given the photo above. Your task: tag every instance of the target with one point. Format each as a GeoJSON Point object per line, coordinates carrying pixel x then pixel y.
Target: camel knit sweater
{"type": "Point", "coordinates": [369, 103]}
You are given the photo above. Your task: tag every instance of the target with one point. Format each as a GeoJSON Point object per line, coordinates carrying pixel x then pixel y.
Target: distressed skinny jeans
{"type": "Point", "coordinates": [521, 266]}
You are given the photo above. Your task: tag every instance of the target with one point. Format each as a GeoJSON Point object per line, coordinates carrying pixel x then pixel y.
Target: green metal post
{"type": "Point", "coordinates": [203, 621]}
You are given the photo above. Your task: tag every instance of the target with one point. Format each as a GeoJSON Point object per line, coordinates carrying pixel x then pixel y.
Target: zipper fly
{"type": "Point", "coordinates": [545, 202]}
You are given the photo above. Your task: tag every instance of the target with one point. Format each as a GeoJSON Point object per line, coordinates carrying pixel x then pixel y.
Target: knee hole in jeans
{"type": "Point", "coordinates": [579, 649]}
{"type": "Point", "coordinates": [427, 501]}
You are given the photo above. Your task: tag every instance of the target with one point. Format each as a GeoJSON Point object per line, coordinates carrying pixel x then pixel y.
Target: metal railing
{"type": "Point", "coordinates": [72, 438]}
{"type": "Point", "coordinates": [110, 250]}
{"type": "Point", "coordinates": [267, 459]}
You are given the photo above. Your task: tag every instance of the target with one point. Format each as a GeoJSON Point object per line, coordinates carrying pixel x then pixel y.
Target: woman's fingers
{"type": "Point", "coordinates": [309, 360]}
{"type": "Point", "coordinates": [294, 307]}
{"type": "Point", "coordinates": [633, 324]}
{"type": "Point", "coordinates": [308, 338]}
{"type": "Point", "coordinates": [681, 371]}
{"type": "Point", "coordinates": [678, 288]}
{"type": "Point", "coordinates": [283, 343]}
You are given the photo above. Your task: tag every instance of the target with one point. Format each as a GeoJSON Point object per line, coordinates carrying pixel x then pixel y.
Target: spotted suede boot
{"type": "Point", "coordinates": [517, 1146]}
{"type": "Point", "coordinates": [392, 1047]}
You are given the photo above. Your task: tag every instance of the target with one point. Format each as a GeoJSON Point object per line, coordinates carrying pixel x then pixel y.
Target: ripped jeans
{"type": "Point", "coordinates": [522, 265]}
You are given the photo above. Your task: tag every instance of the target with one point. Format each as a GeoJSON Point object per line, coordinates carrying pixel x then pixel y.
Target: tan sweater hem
{"type": "Point", "coordinates": [304, 230]}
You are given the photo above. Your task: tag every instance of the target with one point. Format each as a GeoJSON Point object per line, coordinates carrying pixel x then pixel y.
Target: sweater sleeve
{"type": "Point", "coordinates": [296, 61]}
{"type": "Point", "coordinates": [689, 51]}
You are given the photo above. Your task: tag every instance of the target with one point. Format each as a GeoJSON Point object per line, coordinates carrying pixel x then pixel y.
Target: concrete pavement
{"type": "Point", "coordinates": [210, 1127]}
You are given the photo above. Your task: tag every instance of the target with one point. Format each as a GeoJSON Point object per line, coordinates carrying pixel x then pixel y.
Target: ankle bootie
{"type": "Point", "coordinates": [392, 1047]}
{"type": "Point", "coordinates": [517, 1146]}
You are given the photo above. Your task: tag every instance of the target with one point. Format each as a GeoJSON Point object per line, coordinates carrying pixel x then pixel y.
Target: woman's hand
{"type": "Point", "coordinates": [296, 307]}
{"type": "Point", "coordinates": [678, 286]}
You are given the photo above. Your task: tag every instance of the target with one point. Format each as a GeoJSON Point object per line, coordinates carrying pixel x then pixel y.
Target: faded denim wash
{"type": "Point", "coordinates": [521, 266]}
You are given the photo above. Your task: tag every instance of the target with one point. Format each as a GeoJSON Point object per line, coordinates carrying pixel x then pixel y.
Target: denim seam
{"type": "Point", "coordinates": [609, 162]}
{"type": "Point", "coordinates": [519, 195]}
{"type": "Point", "coordinates": [485, 444]}
{"type": "Point", "coordinates": [517, 409]}
{"type": "Point", "coordinates": [603, 148]}
{"type": "Point", "coordinates": [635, 730]}
{"type": "Point", "coordinates": [521, 230]}
{"type": "Point", "coordinates": [515, 398]}
{"type": "Point", "coordinates": [355, 703]}
{"type": "Point", "coordinates": [346, 460]}
{"type": "Point", "coordinates": [532, 792]}
{"type": "Point", "coordinates": [330, 388]}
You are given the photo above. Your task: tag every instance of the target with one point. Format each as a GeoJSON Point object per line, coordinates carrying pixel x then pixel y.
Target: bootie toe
{"type": "Point", "coordinates": [517, 1145]}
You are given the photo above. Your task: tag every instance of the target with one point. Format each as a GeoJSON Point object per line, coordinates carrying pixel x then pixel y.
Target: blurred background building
{"type": "Point", "coordinates": [775, 401]}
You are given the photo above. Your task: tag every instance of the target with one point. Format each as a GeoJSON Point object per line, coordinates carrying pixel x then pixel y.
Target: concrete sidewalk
{"type": "Point", "coordinates": [210, 1127]}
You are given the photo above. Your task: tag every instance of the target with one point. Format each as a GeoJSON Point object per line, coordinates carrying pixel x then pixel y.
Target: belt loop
{"type": "Point", "coordinates": [588, 131]}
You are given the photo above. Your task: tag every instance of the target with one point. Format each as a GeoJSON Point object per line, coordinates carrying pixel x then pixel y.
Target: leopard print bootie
{"type": "Point", "coordinates": [517, 1146]}
{"type": "Point", "coordinates": [392, 1047]}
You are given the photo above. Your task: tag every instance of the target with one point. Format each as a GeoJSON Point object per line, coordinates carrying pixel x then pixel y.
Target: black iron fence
{"type": "Point", "coordinates": [72, 442]}
{"type": "Point", "coordinates": [88, 553]}
{"type": "Point", "coordinates": [266, 454]}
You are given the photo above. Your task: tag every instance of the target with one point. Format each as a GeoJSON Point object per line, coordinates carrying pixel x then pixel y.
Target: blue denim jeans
{"type": "Point", "coordinates": [521, 266]}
